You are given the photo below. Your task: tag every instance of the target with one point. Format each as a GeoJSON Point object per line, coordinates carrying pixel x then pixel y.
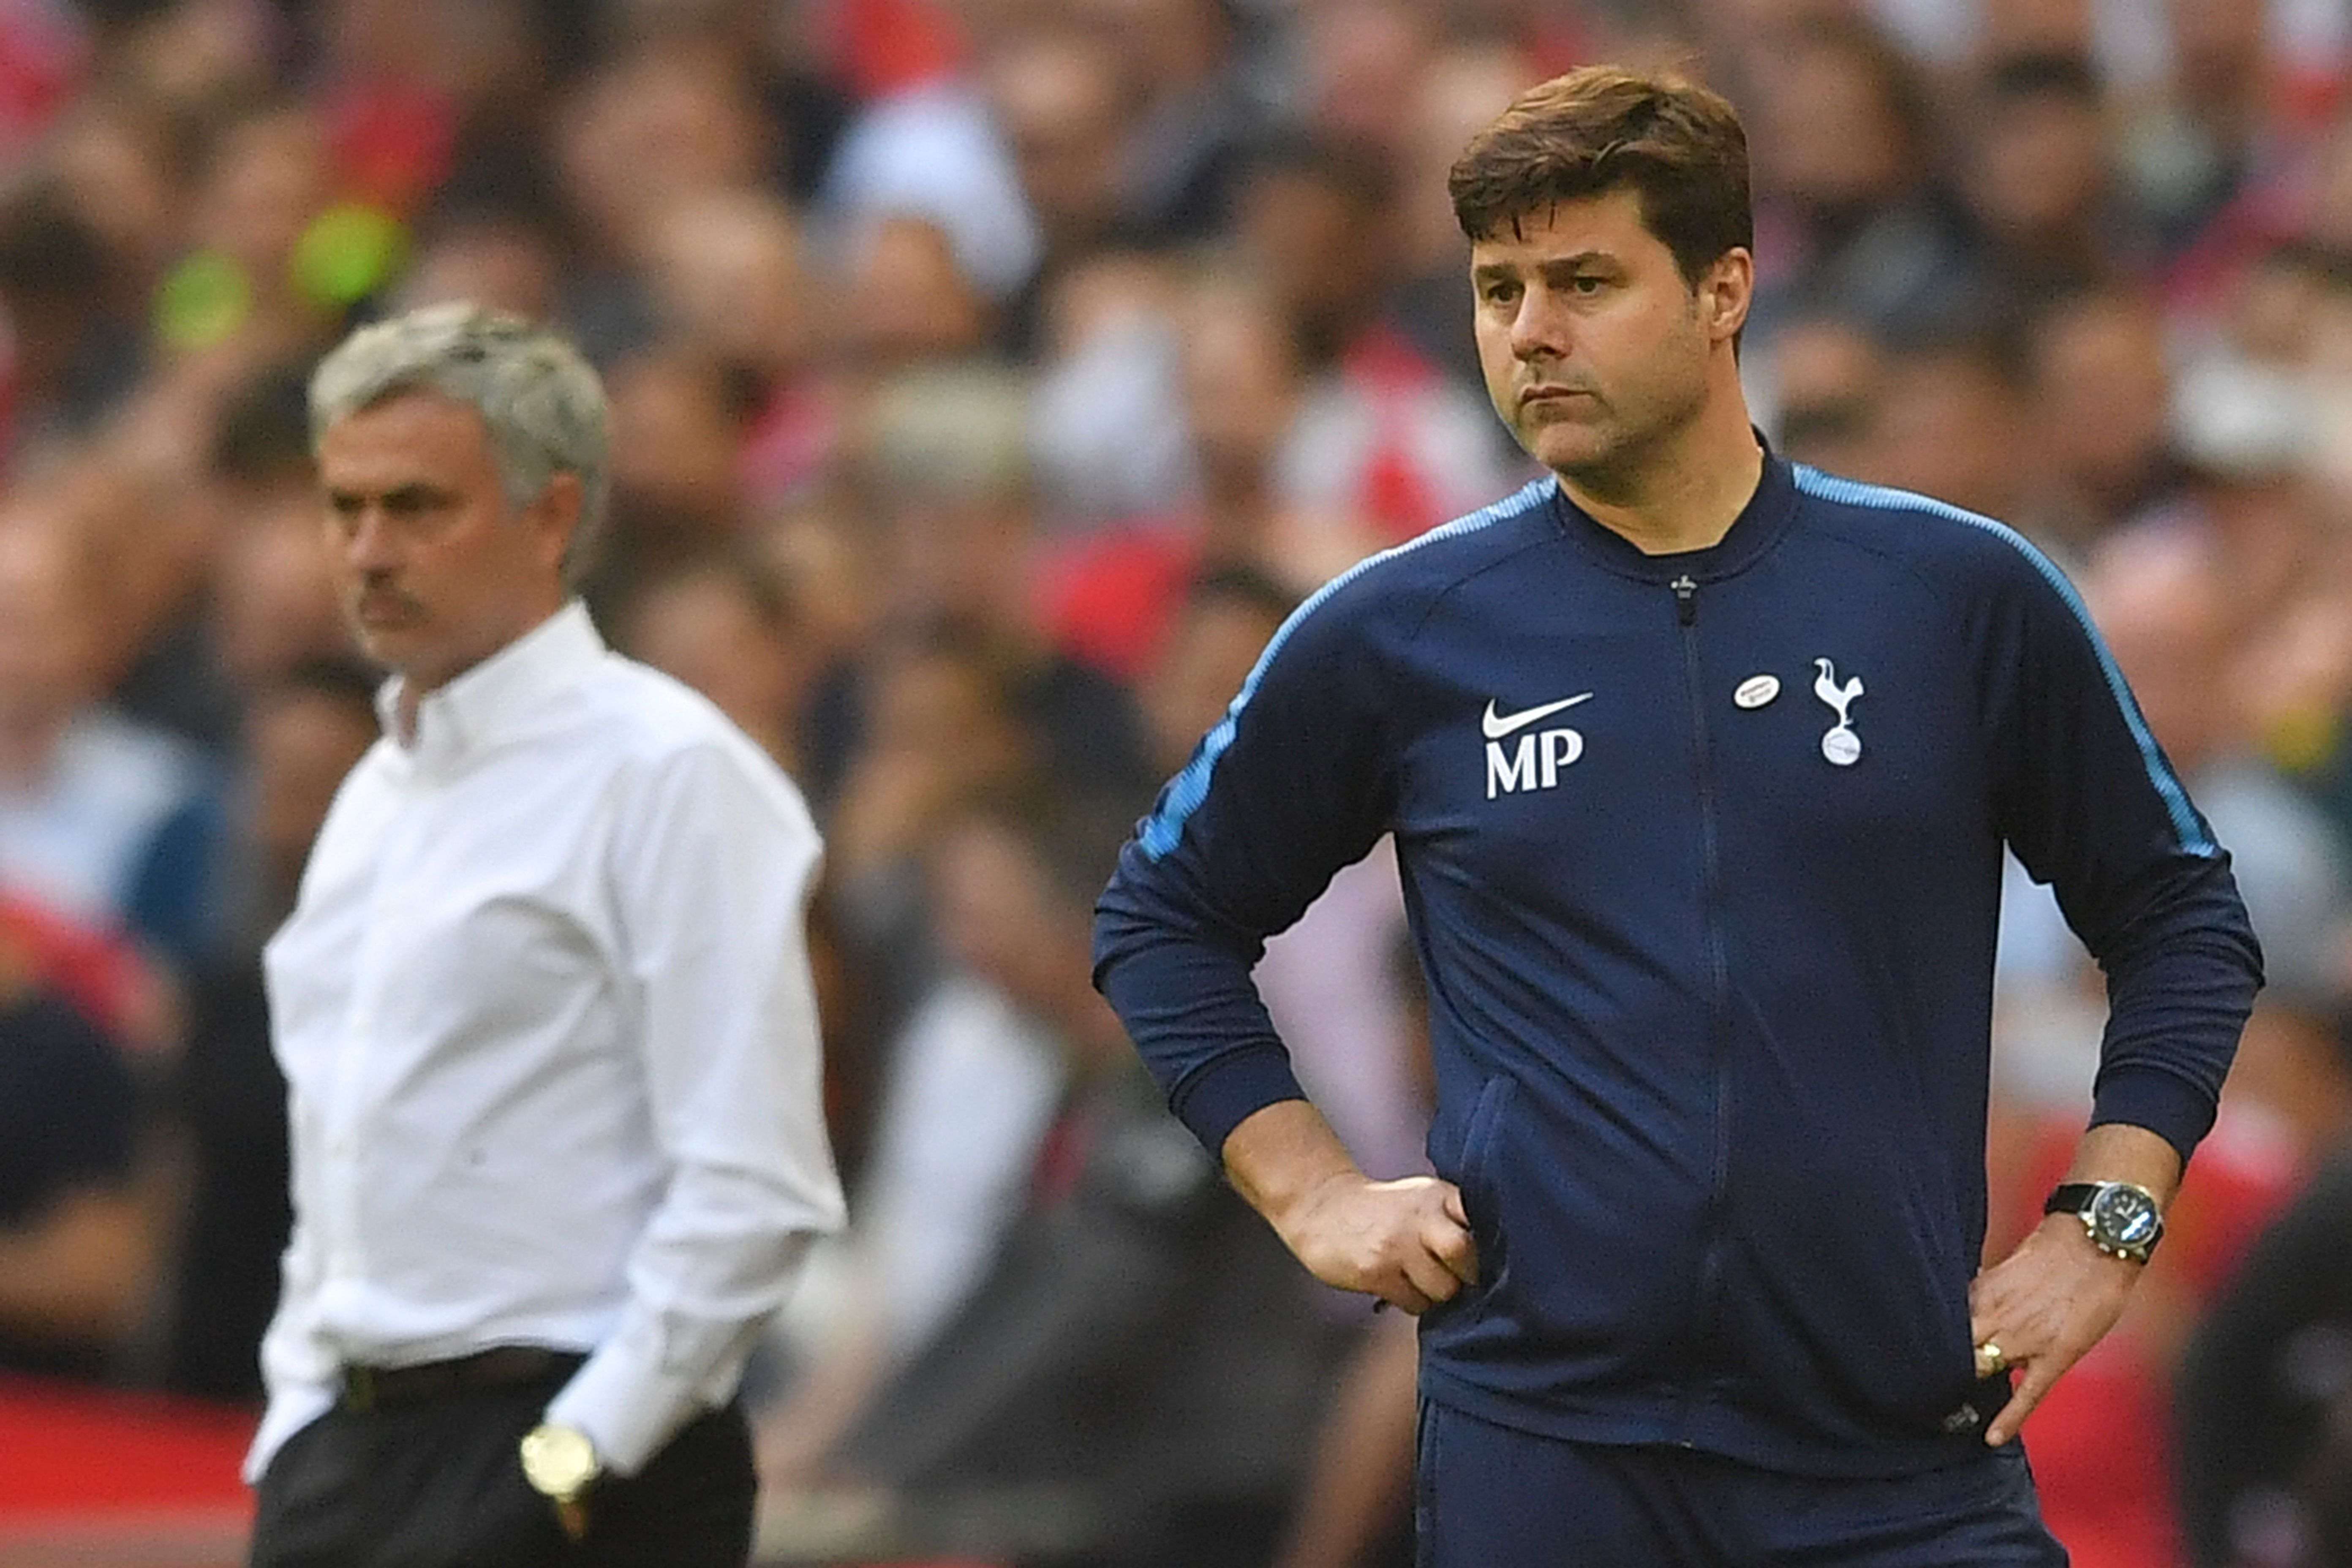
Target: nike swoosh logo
{"type": "Point", "coordinates": [1498, 725]}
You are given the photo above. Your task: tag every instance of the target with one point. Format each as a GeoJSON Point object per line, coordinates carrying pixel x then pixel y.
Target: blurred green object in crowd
{"type": "Point", "coordinates": [347, 253]}
{"type": "Point", "coordinates": [202, 300]}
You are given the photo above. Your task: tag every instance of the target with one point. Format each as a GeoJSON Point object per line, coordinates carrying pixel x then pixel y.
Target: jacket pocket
{"type": "Point", "coordinates": [1480, 1140]}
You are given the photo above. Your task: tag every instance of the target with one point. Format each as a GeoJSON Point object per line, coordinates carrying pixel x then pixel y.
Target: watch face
{"type": "Point", "coordinates": [2124, 1216]}
{"type": "Point", "coordinates": [559, 1460]}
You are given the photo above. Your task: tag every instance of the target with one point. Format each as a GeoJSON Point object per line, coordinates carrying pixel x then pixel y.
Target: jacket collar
{"type": "Point", "coordinates": [1754, 532]}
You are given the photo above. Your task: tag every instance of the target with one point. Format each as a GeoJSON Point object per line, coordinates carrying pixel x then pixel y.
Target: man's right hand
{"type": "Point", "coordinates": [1407, 1242]}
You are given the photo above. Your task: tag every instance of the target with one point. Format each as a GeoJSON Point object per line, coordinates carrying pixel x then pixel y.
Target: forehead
{"type": "Point", "coordinates": [1607, 223]}
{"type": "Point", "coordinates": [409, 435]}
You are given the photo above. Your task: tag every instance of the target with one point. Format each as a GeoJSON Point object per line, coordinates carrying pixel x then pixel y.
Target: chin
{"type": "Point", "coordinates": [1566, 449]}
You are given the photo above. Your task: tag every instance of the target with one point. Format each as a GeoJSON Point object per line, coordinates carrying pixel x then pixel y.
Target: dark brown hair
{"type": "Point", "coordinates": [1603, 128]}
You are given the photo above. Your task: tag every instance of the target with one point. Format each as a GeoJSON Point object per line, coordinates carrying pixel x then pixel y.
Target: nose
{"type": "Point", "coordinates": [368, 543]}
{"type": "Point", "coordinates": [1539, 327]}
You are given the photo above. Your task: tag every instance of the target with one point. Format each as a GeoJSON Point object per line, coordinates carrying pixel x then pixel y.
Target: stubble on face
{"type": "Point", "coordinates": [1607, 453]}
{"type": "Point", "coordinates": [1600, 359]}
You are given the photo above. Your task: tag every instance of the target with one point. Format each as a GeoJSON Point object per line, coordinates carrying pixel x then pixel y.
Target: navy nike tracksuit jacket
{"type": "Point", "coordinates": [1702, 854]}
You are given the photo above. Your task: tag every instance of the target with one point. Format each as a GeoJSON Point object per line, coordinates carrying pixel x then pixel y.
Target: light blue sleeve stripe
{"type": "Point", "coordinates": [1165, 826]}
{"type": "Point", "coordinates": [1853, 492]}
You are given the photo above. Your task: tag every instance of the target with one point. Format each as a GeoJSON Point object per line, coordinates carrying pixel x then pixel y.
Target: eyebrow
{"type": "Point", "coordinates": [1576, 262]}
{"type": "Point", "coordinates": [411, 493]}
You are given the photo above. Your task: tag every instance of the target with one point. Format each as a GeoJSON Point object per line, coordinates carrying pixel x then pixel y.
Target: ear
{"type": "Point", "coordinates": [1726, 292]}
{"type": "Point", "coordinates": [555, 517]}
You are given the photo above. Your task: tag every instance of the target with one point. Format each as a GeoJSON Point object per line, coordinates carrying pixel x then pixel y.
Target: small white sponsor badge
{"type": "Point", "coordinates": [1757, 691]}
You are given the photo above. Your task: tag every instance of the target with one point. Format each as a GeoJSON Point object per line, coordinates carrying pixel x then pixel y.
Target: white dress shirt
{"type": "Point", "coordinates": [545, 1010]}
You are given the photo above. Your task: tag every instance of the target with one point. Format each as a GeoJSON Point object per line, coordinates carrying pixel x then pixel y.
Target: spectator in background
{"type": "Point", "coordinates": [77, 1237]}
{"type": "Point", "coordinates": [2265, 1397]}
{"type": "Point", "coordinates": [1850, 213]}
{"type": "Point", "coordinates": [263, 177]}
{"type": "Point", "coordinates": [1313, 222]}
{"type": "Point", "coordinates": [305, 731]}
{"type": "Point", "coordinates": [948, 468]}
{"type": "Point", "coordinates": [907, 301]}
{"type": "Point", "coordinates": [931, 149]}
{"type": "Point", "coordinates": [1382, 436]}
{"type": "Point", "coordinates": [677, 496]}
{"type": "Point", "coordinates": [1061, 100]}
{"type": "Point", "coordinates": [2192, 145]}
{"type": "Point", "coordinates": [1360, 62]}
{"type": "Point", "coordinates": [2015, 27]}
{"type": "Point", "coordinates": [123, 166]}
{"type": "Point", "coordinates": [2099, 405]}
{"type": "Point", "coordinates": [2033, 171]}
{"type": "Point", "coordinates": [727, 629]}
{"type": "Point", "coordinates": [1817, 387]}
{"type": "Point", "coordinates": [731, 280]}
{"type": "Point", "coordinates": [72, 354]}
{"type": "Point", "coordinates": [275, 601]}
{"type": "Point", "coordinates": [1109, 597]}
{"type": "Point", "coordinates": [936, 725]}
{"type": "Point", "coordinates": [1949, 422]}
{"type": "Point", "coordinates": [105, 821]}
{"type": "Point", "coordinates": [1106, 428]}
{"type": "Point", "coordinates": [499, 257]}
{"type": "Point", "coordinates": [269, 602]}
{"type": "Point", "coordinates": [666, 121]}
{"type": "Point", "coordinates": [1138, 1369]}
{"type": "Point", "coordinates": [969, 1086]}
{"type": "Point", "coordinates": [1197, 112]}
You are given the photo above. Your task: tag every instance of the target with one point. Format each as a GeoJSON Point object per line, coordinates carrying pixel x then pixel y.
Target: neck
{"type": "Point", "coordinates": [1682, 493]}
{"type": "Point", "coordinates": [418, 683]}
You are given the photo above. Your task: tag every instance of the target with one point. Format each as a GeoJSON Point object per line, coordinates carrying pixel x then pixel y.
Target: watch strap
{"type": "Point", "coordinates": [2082, 1200]}
{"type": "Point", "coordinates": [2070, 1198]}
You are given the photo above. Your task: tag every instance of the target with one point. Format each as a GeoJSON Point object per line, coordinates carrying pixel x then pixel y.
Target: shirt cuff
{"type": "Point", "coordinates": [1232, 1088]}
{"type": "Point", "coordinates": [648, 1381]}
{"type": "Point", "coordinates": [2167, 1104]}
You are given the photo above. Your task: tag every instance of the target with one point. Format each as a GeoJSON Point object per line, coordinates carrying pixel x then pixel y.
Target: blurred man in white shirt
{"type": "Point", "coordinates": [545, 1009]}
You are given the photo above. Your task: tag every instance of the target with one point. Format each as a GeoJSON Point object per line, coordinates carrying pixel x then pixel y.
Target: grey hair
{"type": "Point", "coordinates": [540, 400]}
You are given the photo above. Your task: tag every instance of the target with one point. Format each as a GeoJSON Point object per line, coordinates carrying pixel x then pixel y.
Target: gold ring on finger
{"type": "Point", "coordinates": [1990, 1359]}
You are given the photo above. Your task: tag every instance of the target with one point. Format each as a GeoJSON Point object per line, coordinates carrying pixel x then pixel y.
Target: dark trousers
{"type": "Point", "coordinates": [438, 1484]}
{"type": "Point", "coordinates": [1490, 1497]}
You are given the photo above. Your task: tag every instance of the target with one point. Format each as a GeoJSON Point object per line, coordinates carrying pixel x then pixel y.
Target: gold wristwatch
{"type": "Point", "coordinates": [561, 1464]}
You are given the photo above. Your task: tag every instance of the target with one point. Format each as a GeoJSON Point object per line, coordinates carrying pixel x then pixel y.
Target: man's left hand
{"type": "Point", "coordinates": [2045, 1305]}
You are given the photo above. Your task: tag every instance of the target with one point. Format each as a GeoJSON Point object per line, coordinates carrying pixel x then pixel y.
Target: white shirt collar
{"type": "Point", "coordinates": [488, 703]}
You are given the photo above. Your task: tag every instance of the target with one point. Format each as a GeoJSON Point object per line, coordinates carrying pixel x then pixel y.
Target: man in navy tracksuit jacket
{"type": "Point", "coordinates": [1700, 767]}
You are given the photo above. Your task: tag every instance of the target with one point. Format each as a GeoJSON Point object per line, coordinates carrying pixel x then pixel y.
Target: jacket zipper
{"type": "Point", "coordinates": [1710, 1271]}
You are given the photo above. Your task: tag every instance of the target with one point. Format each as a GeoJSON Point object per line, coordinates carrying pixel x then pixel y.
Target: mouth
{"type": "Point", "coordinates": [1535, 394]}
{"type": "Point", "coordinates": [384, 612]}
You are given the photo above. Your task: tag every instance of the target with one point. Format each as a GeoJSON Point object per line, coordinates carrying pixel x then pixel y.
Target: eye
{"type": "Point", "coordinates": [1586, 284]}
{"type": "Point", "coordinates": [1500, 292]}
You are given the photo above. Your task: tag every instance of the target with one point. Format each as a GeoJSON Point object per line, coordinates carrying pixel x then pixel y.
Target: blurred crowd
{"type": "Point", "coordinates": [990, 379]}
